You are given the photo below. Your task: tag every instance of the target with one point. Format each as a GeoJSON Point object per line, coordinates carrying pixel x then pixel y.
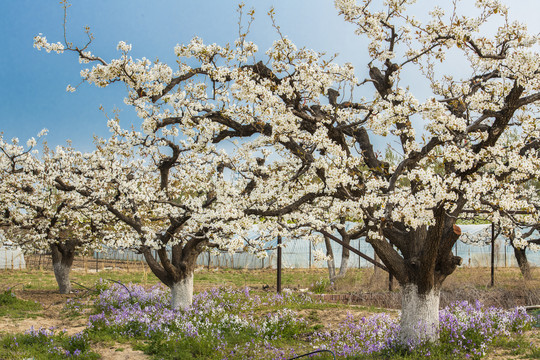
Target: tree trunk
{"type": "Point", "coordinates": [330, 262]}
{"type": "Point", "coordinates": [344, 262]}
{"type": "Point", "coordinates": [62, 259]}
{"type": "Point", "coordinates": [177, 270]}
{"type": "Point", "coordinates": [375, 268]}
{"type": "Point", "coordinates": [420, 259]}
{"type": "Point", "coordinates": [419, 315]}
{"type": "Point", "coordinates": [182, 293]}
{"type": "Point", "coordinates": [522, 261]}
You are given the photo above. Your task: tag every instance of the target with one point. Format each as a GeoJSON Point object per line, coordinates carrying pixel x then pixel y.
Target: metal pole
{"type": "Point", "coordinates": [360, 250]}
{"type": "Point", "coordinates": [492, 254]}
{"type": "Point", "coordinates": [390, 279]}
{"type": "Point", "coordinates": [310, 244]}
{"type": "Point", "coordinates": [505, 265]}
{"type": "Point", "coordinates": [279, 264]}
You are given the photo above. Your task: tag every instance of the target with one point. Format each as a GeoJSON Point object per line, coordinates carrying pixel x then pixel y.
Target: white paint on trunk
{"type": "Point", "coordinates": [182, 293]}
{"type": "Point", "coordinates": [419, 315]}
{"type": "Point", "coordinates": [331, 268]}
{"type": "Point", "coordinates": [344, 266]}
{"type": "Point", "coordinates": [61, 272]}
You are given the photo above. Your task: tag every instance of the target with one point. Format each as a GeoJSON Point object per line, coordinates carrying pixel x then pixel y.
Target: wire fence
{"type": "Point", "coordinates": [296, 254]}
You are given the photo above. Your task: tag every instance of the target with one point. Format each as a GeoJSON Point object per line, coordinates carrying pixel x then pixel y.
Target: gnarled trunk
{"type": "Point", "coordinates": [177, 270]}
{"type": "Point", "coordinates": [420, 259]}
{"type": "Point", "coordinates": [63, 255]}
{"type": "Point", "coordinates": [419, 315]}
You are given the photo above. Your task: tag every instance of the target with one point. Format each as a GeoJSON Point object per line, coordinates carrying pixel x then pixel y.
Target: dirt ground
{"type": "Point", "coordinates": [51, 317]}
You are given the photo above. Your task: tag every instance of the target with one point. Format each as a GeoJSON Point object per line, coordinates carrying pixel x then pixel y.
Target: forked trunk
{"type": "Point", "coordinates": [420, 259]}
{"type": "Point", "coordinates": [176, 274]}
{"type": "Point", "coordinates": [182, 293]}
{"type": "Point", "coordinates": [419, 315]}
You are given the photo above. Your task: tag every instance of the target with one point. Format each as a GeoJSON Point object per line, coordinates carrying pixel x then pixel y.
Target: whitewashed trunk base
{"type": "Point", "coordinates": [61, 272]}
{"type": "Point", "coordinates": [419, 315]}
{"type": "Point", "coordinates": [182, 293]}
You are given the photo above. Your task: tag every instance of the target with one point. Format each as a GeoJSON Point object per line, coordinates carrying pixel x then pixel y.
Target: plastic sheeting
{"type": "Point", "coordinates": [299, 254]}
{"type": "Point", "coordinates": [11, 257]}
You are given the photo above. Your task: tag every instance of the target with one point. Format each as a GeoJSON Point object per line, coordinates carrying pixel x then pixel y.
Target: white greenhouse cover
{"type": "Point", "coordinates": [11, 257]}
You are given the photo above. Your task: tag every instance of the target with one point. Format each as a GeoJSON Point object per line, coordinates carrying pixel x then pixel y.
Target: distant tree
{"type": "Point", "coordinates": [174, 202]}
{"type": "Point", "coordinates": [37, 217]}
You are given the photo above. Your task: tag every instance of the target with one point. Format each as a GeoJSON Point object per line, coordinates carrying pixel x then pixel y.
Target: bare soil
{"type": "Point", "coordinates": [120, 352]}
{"type": "Point", "coordinates": [52, 317]}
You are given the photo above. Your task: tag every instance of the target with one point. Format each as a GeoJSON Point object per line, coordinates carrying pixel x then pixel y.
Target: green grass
{"type": "Point", "coordinates": [12, 306]}
{"type": "Point", "coordinates": [45, 346]}
{"type": "Point", "coordinates": [519, 345]}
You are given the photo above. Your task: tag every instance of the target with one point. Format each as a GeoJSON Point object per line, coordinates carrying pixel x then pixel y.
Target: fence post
{"type": "Point", "coordinates": [310, 245]}
{"type": "Point", "coordinates": [492, 254]}
{"type": "Point", "coordinates": [359, 258]}
{"type": "Point", "coordinates": [279, 264]}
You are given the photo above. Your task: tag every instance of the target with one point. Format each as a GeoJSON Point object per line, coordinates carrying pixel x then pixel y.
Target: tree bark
{"type": "Point", "coordinates": [421, 263]}
{"type": "Point", "coordinates": [344, 266]}
{"type": "Point", "coordinates": [177, 271]}
{"type": "Point", "coordinates": [330, 262]}
{"type": "Point", "coordinates": [523, 262]}
{"type": "Point", "coordinates": [63, 255]}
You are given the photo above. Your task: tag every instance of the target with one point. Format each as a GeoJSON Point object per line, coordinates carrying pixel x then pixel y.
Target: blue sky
{"type": "Point", "coordinates": [33, 83]}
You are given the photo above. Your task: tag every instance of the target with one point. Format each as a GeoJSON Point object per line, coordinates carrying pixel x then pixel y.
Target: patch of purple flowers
{"type": "Point", "coordinates": [133, 311]}
{"type": "Point", "coordinates": [55, 344]}
{"type": "Point", "coordinates": [471, 328]}
{"type": "Point", "coordinates": [466, 330]}
{"type": "Point", "coordinates": [359, 337]}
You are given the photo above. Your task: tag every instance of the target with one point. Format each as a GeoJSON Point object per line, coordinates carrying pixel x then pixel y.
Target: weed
{"type": "Point", "coordinates": [12, 306]}
{"type": "Point", "coordinates": [44, 344]}
{"type": "Point", "coordinates": [320, 286]}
